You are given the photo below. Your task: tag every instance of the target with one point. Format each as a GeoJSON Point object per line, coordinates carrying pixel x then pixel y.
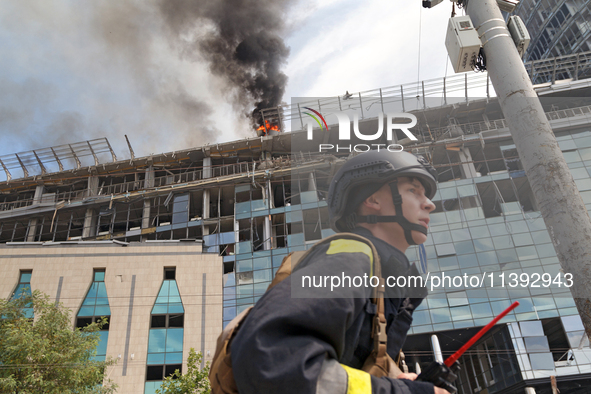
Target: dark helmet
{"type": "Point", "coordinates": [364, 174]}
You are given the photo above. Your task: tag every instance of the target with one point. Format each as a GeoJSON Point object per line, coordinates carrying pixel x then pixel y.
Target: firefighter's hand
{"type": "Point", "coordinates": [413, 376]}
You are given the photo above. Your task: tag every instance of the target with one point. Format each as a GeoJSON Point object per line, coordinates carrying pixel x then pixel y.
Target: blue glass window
{"type": "Point", "coordinates": [526, 252]}
{"type": "Point", "coordinates": [24, 289]}
{"type": "Point", "coordinates": [165, 340]}
{"type": "Point", "coordinates": [262, 276]}
{"type": "Point", "coordinates": [481, 310]}
{"type": "Point", "coordinates": [243, 207]}
{"type": "Point", "coordinates": [440, 315]}
{"type": "Point", "coordinates": [442, 238]}
{"type": "Point", "coordinates": [460, 313]}
{"type": "Point", "coordinates": [464, 247]}
{"type": "Point", "coordinates": [462, 234]}
{"type": "Point", "coordinates": [94, 307]}
{"type": "Point", "coordinates": [421, 318]}
{"type": "Point", "coordinates": [483, 244]}
{"type": "Point", "coordinates": [445, 250]}
{"type": "Point", "coordinates": [262, 263]}
{"type": "Point", "coordinates": [180, 209]}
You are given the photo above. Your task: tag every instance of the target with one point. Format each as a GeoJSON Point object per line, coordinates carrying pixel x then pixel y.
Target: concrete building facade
{"type": "Point", "coordinates": [133, 276]}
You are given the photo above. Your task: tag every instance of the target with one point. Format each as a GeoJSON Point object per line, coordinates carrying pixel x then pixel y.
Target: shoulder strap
{"type": "Point", "coordinates": [286, 267]}
{"type": "Point", "coordinates": [377, 267]}
{"type": "Point", "coordinates": [379, 362]}
{"type": "Point", "coordinates": [379, 358]}
{"type": "Point", "coordinates": [294, 258]}
{"type": "Point", "coordinates": [221, 374]}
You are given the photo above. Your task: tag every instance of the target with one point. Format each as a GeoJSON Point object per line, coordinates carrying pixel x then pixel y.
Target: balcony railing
{"type": "Point", "coordinates": [426, 94]}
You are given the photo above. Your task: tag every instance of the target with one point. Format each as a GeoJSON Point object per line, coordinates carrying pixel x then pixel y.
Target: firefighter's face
{"type": "Point", "coordinates": [415, 206]}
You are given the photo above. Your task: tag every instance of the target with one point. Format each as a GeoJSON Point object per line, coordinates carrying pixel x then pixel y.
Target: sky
{"type": "Point", "coordinates": [74, 70]}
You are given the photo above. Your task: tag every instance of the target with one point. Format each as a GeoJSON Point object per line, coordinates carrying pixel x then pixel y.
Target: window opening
{"type": "Point", "coordinates": [312, 228]}
{"type": "Point", "coordinates": [94, 307]}
{"type": "Point", "coordinates": [180, 208]}
{"type": "Point", "coordinates": [23, 289]}
{"type": "Point", "coordinates": [165, 341]}
{"type": "Point", "coordinates": [170, 273]}
{"type": "Point", "coordinates": [557, 339]}
{"type": "Point", "coordinates": [258, 234]}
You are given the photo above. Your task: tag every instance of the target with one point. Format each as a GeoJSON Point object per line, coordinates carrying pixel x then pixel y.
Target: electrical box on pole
{"type": "Point", "coordinates": [462, 43]}
{"type": "Point", "coordinates": [519, 33]}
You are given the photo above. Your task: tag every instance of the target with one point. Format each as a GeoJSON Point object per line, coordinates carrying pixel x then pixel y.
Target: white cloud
{"type": "Point", "coordinates": [372, 44]}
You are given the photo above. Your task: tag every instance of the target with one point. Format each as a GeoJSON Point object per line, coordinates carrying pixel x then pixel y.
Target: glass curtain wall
{"type": "Point", "coordinates": [165, 341]}
{"type": "Point", "coordinates": [94, 307]}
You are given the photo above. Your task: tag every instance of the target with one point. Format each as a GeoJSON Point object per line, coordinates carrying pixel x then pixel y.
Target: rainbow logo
{"type": "Point", "coordinates": [316, 119]}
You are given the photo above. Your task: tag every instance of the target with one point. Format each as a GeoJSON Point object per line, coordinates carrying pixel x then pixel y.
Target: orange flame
{"type": "Point", "coordinates": [269, 127]}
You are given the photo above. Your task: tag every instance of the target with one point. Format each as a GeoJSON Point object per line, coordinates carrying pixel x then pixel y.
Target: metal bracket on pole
{"type": "Point", "coordinates": [26, 173]}
{"type": "Point", "coordinates": [8, 176]}
{"type": "Point", "coordinates": [59, 163]}
{"type": "Point", "coordinates": [43, 171]}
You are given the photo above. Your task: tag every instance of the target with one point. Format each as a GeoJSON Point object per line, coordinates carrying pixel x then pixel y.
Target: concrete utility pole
{"type": "Point", "coordinates": [557, 195]}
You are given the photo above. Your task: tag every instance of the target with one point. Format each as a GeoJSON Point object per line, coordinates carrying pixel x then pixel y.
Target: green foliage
{"type": "Point", "coordinates": [194, 381]}
{"type": "Point", "coordinates": [45, 355]}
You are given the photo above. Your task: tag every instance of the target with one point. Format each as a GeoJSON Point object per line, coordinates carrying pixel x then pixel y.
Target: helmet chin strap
{"type": "Point", "coordinates": [399, 218]}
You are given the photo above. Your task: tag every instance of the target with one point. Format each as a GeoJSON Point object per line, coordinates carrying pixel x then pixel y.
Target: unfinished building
{"type": "Point", "coordinates": [184, 241]}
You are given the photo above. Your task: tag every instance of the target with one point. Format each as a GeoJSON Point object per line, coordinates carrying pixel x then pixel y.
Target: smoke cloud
{"type": "Point", "coordinates": [242, 43]}
{"type": "Point", "coordinates": [74, 71]}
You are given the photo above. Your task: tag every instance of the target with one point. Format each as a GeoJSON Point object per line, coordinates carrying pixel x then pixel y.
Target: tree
{"type": "Point", "coordinates": [44, 354]}
{"type": "Point", "coordinates": [194, 381]}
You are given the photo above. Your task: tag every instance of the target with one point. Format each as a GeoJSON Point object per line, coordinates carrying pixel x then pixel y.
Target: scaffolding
{"type": "Point", "coordinates": [417, 96]}
{"type": "Point", "coordinates": [38, 161]}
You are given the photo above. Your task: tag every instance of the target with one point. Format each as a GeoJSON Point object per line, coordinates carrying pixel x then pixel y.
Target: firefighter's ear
{"type": "Point", "coordinates": [374, 203]}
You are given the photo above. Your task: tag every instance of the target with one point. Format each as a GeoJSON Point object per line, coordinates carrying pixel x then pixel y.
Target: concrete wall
{"type": "Point", "coordinates": [137, 270]}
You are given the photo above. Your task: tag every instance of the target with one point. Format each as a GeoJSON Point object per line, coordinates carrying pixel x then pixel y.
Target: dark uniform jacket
{"type": "Point", "coordinates": [318, 344]}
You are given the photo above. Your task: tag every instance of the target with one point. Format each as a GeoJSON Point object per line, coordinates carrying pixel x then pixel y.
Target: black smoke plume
{"type": "Point", "coordinates": [78, 73]}
{"type": "Point", "coordinates": [241, 41]}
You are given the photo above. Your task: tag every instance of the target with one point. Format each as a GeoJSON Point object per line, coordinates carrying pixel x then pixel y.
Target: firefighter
{"type": "Point", "coordinates": [316, 340]}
